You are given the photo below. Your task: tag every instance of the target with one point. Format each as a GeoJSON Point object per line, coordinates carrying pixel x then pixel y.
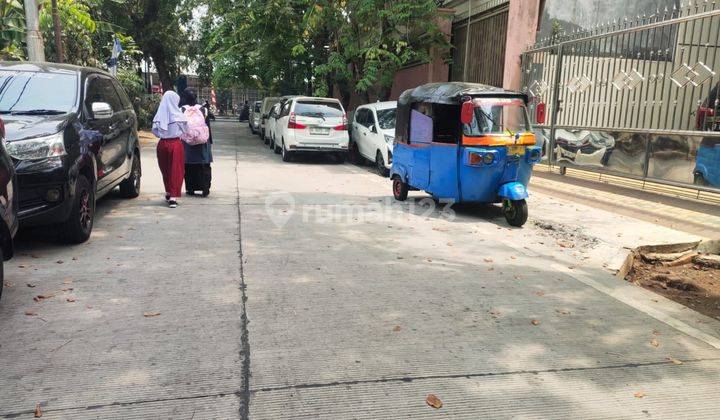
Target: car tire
{"type": "Point", "coordinates": [2, 272]}
{"type": "Point", "coordinates": [400, 189]}
{"type": "Point", "coordinates": [700, 180]}
{"type": "Point", "coordinates": [354, 153]}
{"type": "Point", "coordinates": [516, 212]}
{"type": "Point", "coordinates": [380, 165]}
{"type": "Point", "coordinates": [271, 143]}
{"type": "Point", "coordinates": [287, 155]}
{"type": "Point", "coordinates": [276, 149]}
{"type": "Point", "coordinates": [130, 188]}
{"type": "Point", "coordinates": [263, 136]}
{"type": "Point", "coordinates": [78, 227]}
{"type": "Point", "coordinates": [341, 157]}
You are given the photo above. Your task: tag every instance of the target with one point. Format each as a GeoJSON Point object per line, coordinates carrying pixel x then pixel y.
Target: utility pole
{"type": "Point", "coordinates": [466, 60]}
{"type": "Point", "coordinates": [58, 33]}
{"type": "Point", "coordinates": [36, 50]}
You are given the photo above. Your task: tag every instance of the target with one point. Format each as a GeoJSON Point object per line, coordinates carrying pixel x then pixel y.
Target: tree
{"type": "Point", "coordinates": [12, 30]}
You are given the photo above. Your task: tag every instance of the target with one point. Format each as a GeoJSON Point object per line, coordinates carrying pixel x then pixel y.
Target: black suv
{"type": "Point", "coordinates": [8, 205]}
{"type": "Point", "coordinates": [72, 134]}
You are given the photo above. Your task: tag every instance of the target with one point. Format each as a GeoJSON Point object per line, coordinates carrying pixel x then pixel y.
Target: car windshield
{"type": "Point", "coordinates": [498, 116]}
{"type": "Point", "coordinates": [37, 92]}
{"type": "Point", "coordinates": [318, 109]}
{"type": "Point", "coordinates": [386, 119]}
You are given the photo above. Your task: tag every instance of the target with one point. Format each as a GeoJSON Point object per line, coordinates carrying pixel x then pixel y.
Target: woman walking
{"type": "Point", "coordinates": [198, 157]}
{"type": "Point", "coordinates": [169, 125]}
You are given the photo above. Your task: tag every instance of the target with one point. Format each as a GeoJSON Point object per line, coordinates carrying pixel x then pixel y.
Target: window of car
{"type": "Point", "coordinates": [23, 92]}
{"type": "Point", "coordinates": [123, 96]}
{"type": "Point", "coordinates": [286, 109]}
{"type": "Point", "coordinates": [310, 108]}
{"type": "Point", "coordinates": [361, 116]}
{"type": "Point", "coordinates": [386, 118]}
{"type": "Point", "coordinates": [100, 89]}
{"type": "Point", "coordinates": [370, 120]}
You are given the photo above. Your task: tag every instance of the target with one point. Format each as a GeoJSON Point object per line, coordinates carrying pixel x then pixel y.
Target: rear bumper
{"type": "Point", "coordinates": [317, 149]}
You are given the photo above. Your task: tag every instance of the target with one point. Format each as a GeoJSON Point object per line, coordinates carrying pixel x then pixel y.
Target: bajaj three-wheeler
{"type": "Point", "coordinates": [463, 142]}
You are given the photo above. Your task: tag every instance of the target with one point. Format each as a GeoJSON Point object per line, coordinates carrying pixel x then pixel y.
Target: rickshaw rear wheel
{"type": "Point", "coordinates": [516, 212]}
{"type": "Point", "coordinates": [400, 189]}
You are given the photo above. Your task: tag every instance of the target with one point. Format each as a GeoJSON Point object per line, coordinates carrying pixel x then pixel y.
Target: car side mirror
{"type": "Point", "coordinates": [101, 110]}
{"type": "Point", "coordinates": [466, 114]}
{"type": "Point", "coordinates": [374, 129]}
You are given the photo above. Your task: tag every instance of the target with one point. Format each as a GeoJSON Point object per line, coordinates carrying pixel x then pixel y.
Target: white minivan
{"type": "Point", "coordinates": [312, 125]}
{"type": "Point", "coordinates": [373, 134]}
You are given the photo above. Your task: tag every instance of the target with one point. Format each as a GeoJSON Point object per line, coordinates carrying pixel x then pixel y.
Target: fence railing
{"type": "Point", "coordinates": [637, 97]}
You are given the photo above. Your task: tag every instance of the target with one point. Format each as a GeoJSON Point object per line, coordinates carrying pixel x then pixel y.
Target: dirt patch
{"type": "Point", "coordinates": [687, 277]}
{"type": "Point", "coordinates": [567, 236]}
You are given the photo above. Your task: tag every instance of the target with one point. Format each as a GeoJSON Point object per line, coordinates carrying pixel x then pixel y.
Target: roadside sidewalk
{"type": "Point", "coordinates": [681, 214]}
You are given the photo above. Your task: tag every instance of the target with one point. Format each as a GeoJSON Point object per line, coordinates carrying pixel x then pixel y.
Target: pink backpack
{"type": "Point", "coordinates": [198, 132]}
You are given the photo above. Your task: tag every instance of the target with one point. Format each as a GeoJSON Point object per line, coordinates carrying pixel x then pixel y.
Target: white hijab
{"type": "Point", "coordinates": [168, 113]}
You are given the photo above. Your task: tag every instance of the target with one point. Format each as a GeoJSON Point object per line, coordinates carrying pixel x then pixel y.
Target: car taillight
{"type": "Point", "coordinates": [343, 126]}
{"type": "Point", "coordinates": [293, 124]}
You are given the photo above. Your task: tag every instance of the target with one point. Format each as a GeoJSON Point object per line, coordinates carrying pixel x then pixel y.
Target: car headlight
{"type": "Point", "coordinates": [37, 148]}
{"type": "Point", "coordinates": [389, 139]}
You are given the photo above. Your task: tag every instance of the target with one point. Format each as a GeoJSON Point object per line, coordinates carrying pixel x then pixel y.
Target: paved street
{"type": "Point", "coordinates": [303, 291]}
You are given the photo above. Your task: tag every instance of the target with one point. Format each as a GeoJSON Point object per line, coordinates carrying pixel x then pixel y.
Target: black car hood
{"type": "Point", "coordinates": [21, 127]}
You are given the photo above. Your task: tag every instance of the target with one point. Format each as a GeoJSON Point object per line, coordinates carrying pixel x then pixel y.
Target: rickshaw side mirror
{"type": "Point", "coordinates": [540, 113]}
{"type": "Point", "coordinates": [466, 115]}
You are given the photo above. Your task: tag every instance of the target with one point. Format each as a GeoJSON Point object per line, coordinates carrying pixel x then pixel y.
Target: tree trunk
{"type": "Point", "coordinates": [160, 60]}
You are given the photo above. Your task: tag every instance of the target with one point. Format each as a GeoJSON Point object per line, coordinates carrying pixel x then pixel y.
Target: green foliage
{"type": "Point", "coordinates": [145, 107]}
{"type": "Point", "coordinates": [77, 25]}
{"type": "Point", "coordinates": [131, 82]}
{"type": "Point", "coordinates": [12, 30]}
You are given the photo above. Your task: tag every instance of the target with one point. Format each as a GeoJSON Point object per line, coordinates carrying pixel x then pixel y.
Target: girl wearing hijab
{"type": "Point", "coordinates": [198, 157]}
{"type": "Point", "coordinates": [169, 124]}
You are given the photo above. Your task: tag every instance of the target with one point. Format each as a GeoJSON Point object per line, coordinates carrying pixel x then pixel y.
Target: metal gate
{"type": "Point", "coordinates": [637, 98]}
{"type": "Point", "coordinates": [486, 50]}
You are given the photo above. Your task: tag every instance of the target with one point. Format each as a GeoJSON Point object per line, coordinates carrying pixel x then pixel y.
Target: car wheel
{"type": "Point", "coordinates": [354, 153]}
{"type": "Point", "coordinates": [78, 227]}
{"type": "Point", "coordinates": [341, 157]}
{"type": "Point", "coordinates": [286, 155]}
{"type": "Point", "coordinates": [130, 188]}
{"type": "Point", "coordinates": [563, 170]}
{"type": "Point", "coordinates": [400, 189]}
{"type": "Point", "coordinates": [263, 136]}
{"type": "Point", "coordinates": [516, 212]}
{"type": "Point", "coordinates": [271, 143]}
{"type": "Point", "coordinates": [276, 148]}
{"type": "Point", "coordinates": [700, 180]}
{"type": "Point", "coordinates": [380, 165]}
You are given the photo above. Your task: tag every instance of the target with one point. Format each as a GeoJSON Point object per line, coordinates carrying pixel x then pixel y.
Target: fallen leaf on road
{"type": "Point", "coordinates": [674, 361]}
{"type": "Point", "coordinates": [30, 313]}
{"type": "Point", "coordinates": [562, 311]}
{"type": "Point", "coordinates": [30, 285]}
{"type": "Point", "coordinates": [535, 322]}
{"type": "Point", "coordinates": [397, 328]}
{"type": "Point", "coordinates": [433, 401]}
{"type": "Point", "coordinates": [60, 261]}
{"type": "Point", "coordinates": [495, 313]}
{"type": "Point", "coordinates": [656, 332]}
{"type": "Point", "coordinates": [639, 394]}
{"type": "Point", "coordinates": [70, 299]}
{"type": "Point", "coordinates": [67, 281]}
{"type": "Point", "coordinates": [654, 343]}
{"type": "Point", "coordinates": [38, 411]}
{"type": "Point", "coordinates": [22, 266]}
{"type": "Point", "coordinates": [151, 314]}
{"type": "Point", "coordinates": [540, 293]}
{"type": "Point", "coordinates": [512, 257]}
{"type": "Point", "coordinates": [488, 260]}
{"type": "Point", "coordinates": [9, 284]}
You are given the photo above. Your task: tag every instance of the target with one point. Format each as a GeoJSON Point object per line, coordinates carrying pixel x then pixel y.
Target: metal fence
{"type": "Point", "coordinates": [637, 97]}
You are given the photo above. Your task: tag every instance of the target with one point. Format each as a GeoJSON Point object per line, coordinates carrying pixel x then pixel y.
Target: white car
{"type": "Point", "coordinates": [311, 125]}
{"type": "Point", "coordinates": [373, 134]}
{"type": "Point", "coordinates": [271, 123]}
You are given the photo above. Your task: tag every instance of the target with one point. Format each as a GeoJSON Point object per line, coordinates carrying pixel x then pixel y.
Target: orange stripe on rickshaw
{"type": "Point", "coordinates": [498, 140]}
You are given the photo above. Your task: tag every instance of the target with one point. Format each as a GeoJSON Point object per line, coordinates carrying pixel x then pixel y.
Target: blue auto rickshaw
{"type": "Point", "coordinates": [463, 142]}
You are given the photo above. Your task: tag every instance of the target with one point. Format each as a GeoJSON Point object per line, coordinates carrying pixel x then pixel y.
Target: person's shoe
{"type": "Point", "coordinates": [172, 203]}
{"type": "Point", "coordinates": [167, 198]}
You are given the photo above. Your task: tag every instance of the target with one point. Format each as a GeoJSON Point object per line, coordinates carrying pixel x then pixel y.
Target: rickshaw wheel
{"type": "Point", "coordinates": [516, 212]}
{"type": "Point", "coordinates": [400, 189]}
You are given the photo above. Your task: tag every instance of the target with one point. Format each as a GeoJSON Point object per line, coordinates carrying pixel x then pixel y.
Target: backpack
{"type": "Point", "coordinates": [198, 132]}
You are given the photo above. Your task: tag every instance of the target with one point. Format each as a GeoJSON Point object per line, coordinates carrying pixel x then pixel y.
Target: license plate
{"type": "Point", "coordinates": [516, 150]}
{"type": "Point", "coordinates": [319, 131]}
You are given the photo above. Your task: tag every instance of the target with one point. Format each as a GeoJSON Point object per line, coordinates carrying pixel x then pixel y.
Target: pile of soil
{"type": "Point", "coordinates": [688, 278]}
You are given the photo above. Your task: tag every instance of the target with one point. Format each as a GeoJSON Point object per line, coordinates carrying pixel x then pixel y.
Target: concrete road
{"type": "Point", "coordinates": [303, 291]}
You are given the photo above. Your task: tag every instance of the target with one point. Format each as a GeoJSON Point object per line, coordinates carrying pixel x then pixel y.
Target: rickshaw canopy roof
{"type": "Point", "coordinates": [452, 93]}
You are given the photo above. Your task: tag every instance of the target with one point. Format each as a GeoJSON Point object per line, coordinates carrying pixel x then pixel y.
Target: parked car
{"type": "Point", "coordinates": [373, 134]}
{"type": "Point", "coordinates": [267, 103]}
{"type": "Point", "coordinates": [8, 206]}
{"type": "Point", "coordinates": [312, 125]}
{"type": "Point", "coordinates": [72, 134]}
{"type": "Point", "coordinates": [271, 124]}
{"type": "Point", "coordinates": [254, 120]}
